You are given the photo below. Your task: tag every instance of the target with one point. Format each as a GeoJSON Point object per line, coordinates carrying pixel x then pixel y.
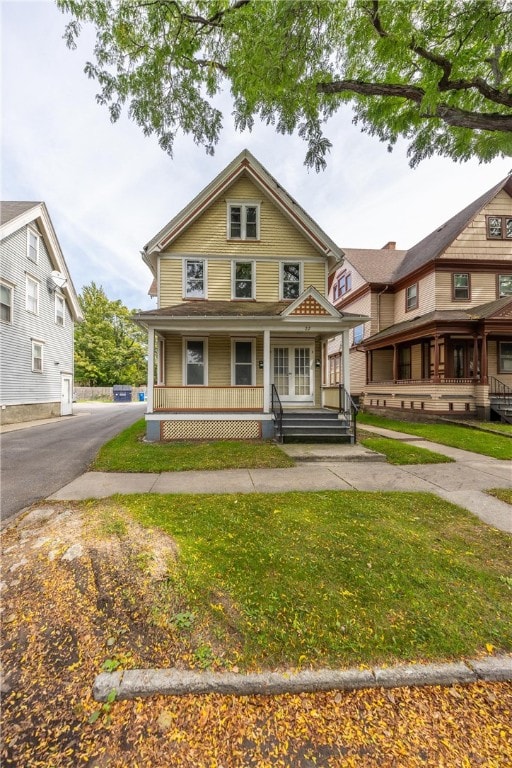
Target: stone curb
{"type": "Point", "coordinates": [135, 683]}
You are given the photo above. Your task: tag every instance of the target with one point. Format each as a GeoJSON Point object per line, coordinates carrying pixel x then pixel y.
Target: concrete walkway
{"type": "Point", "coordinates": [329, 467]}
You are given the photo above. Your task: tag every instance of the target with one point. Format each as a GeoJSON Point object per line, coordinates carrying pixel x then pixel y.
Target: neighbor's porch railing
{"type": "Point", "coordinates": [207, 398]}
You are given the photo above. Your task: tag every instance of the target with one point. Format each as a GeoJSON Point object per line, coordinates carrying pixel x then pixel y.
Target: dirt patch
{"type": "Point", "coordinates": [83, 589]}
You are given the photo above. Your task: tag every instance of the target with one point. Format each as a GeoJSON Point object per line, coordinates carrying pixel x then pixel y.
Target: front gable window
{"type": "Point", "coordinates": [243, 221]}
{"type": "Point", "coordinates": [195, 282]}
{"type": "Point", "coordinates": [411, 297]}
{"type": "Point", "coordinates": [461, 286]}
{"type": "Point", "coordinates": [504, 285]}
{"type": "Point", "coordinates": [60, 309]}
{"type": "Point", "coordinates": [499, 227]}
{"type": "Point", "coordinates": [33, 239]}
{"type": "Point", "coordinates": [290, 280]}
{"type": "Point", "coordinates": [243, 280]}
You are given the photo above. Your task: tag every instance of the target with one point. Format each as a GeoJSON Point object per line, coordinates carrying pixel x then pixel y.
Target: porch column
{"type": "Point", "coordinates": [151, 368]}
{"type": "Point", "coordinates": [266, 372]}
{"type": "Point", "coordinates": [475, 357]}
{"type": "Point", "coordinates": [369, 366]}
{"type": "Point", "coordinates": [436, 359]}
{"type": "Point", "coordinates": [395, 362]}
{"type": "Point", "coordinates": [345, 362]}
{"type": "Point", "coordinates": [484, 372]}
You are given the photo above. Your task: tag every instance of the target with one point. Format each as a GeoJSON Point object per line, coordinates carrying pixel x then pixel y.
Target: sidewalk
{"type": "Point", "coordinates": [323, 467]}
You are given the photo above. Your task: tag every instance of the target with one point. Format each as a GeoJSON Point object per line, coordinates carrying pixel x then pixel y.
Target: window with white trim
{"type": "Point", "coordinates": [411, 297]}
{"type": "Point", "coordinates": [195, 364]}
{"type": "Point", "coordinates": [37, 356]}
{"type": "Point", "coordinates": [32, 295]}
{"type": "Point", "coordinates": [504, 285]}
{"type": "Point", "coordinates": [358, 333]}
{"type": "Point", "coordinates": [243, 279]}
{"type": "Point", "coordinates": [243, 221]}
{"type": "Point", "coordinates": [60, 309]}
{"type": "Point", "coordinates": [243, 362]}
{"type": "Point", "coordinates": [6, 302]}
{"type": "Point", "coordinates": [195, 279]}
{"type": "Point", "coordinates": [290, 279]}
{"type": "Point", "coordinates": [33, 239]}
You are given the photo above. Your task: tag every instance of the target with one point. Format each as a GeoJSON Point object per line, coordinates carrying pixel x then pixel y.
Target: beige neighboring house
{"type": "Point", "coordinates": [243, 318]}
{"type": "Point", "coordinates": [38, 309]}
{"type": "Point", "coordinates": [439, 337]}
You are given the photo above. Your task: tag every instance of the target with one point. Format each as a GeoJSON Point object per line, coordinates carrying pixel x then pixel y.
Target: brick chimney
{"type": "Point", "coordinates": [390, 246]}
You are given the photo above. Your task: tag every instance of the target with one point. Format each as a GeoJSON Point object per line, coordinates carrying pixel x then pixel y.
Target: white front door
{"type": "Point", "coordinates": [66, 394]}
{"type": "Point", "coordinates": [293, 373]}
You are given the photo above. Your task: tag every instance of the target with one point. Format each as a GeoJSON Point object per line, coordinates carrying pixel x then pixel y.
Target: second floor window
{"type": "Point", "coordinates": [194, 279]}
{"type": "Point", "coordinates": [342, 285]}
{"type": "Point", "coordinates": [504, 285]}
{"type": "Point", "coordinates": [411, 297]}
{"type": "Point", "coordinates": [358, 333]}
{"type": "Point", "coordinates": [461, 286]}
{"type": "Point", "coordinates": [243, 221]}
{"type": "Point", "coordinates": [290, 280]}
{"type": "Point", "coordinates": [6, 302]}
{"type": "Point", "coordinates": [32, 300]}
{"type": "Point", "coordinates": [243, 280]}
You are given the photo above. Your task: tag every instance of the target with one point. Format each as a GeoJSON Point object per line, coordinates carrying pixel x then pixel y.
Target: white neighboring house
{"type": "Point", "coordinates": [38, 310]}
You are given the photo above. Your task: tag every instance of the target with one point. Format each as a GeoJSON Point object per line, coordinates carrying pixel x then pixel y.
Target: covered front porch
{"type": "Point", "coordinates": [232, 377]}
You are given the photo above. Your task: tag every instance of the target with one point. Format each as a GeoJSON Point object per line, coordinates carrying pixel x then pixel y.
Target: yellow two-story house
{"type": "Point", "coordinates": [237, 341]}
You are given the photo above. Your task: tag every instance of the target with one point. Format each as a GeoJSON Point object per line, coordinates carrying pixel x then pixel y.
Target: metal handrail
{"type": "Point", "coordinates": [277, 410]}
{"type": "Point", "coordinates": [347, 405]}
{"type": "Point", "coordinates": [500, 389]}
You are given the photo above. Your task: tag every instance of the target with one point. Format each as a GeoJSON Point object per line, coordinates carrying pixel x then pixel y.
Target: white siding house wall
{"type": "Point", "coordinates": [19, 384]}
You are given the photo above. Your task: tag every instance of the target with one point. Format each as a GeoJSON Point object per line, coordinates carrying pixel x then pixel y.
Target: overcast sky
{"type": "Point", "coordinates": [109, 189]}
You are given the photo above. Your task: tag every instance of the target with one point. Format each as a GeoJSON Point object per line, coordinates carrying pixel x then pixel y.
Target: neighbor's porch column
{"type": "Point", "coordinates": [151, 368]}
{"type": "Point", "coordinates": [266, 372]}
{"type": "Point", "coordinates": [484, 373]}
{"type": "Point", "coordinates": [345, 362]}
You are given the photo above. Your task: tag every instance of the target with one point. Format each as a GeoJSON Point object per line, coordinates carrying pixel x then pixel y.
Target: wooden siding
{"type": "Point", "coordinates": [483, 289]}
{"type": "Point", "coordinates": [472, 243]}
{"type": "Point", "coordinates": [315, 273]}
{"type": "Point", "coordinates": [357, 371]}
{"type": "Point", "coordinates": [18, 383]}
{"type": "Point", "coordinates": [278, 236]}
{"type": "Point", "coordinates": [426, 299]}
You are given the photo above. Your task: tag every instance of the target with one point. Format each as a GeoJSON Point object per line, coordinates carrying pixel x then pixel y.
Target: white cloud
{"type": "Point", "coordinates": [109, 189]}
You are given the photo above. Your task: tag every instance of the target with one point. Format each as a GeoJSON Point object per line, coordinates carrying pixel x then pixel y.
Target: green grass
{"type": "Point", "coordinates": [503, 494]}
{"type": "Point", "coordinates": [489, 444]}
{"type": "Point", "coordinates": [399, 452]}
{"type": "Point", "coordinates": [128, 453]}
{"type": "Point", "coordinates": [335, 578]}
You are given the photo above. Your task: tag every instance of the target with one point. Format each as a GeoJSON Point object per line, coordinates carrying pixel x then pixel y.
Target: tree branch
{"type": "Point", "coordinates": [490, 121]}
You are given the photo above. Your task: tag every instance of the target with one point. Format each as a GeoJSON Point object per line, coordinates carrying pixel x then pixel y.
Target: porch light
{"type": "Point", "coordinates": [260, 363]}
{"type": "Point", "coordinates": [318, 363]}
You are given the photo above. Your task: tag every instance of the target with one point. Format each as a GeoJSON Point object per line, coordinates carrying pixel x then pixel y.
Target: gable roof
{"type": "Point", "coordinates": [434, 245]}
{"type": "Point", "coordinates": [375, 265]}
{"type": "Point", "coordinates": [14, 216]}
{"type": "Point", "coordinates": [244, 163]}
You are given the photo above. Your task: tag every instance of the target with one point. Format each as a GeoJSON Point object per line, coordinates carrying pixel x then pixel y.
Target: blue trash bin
{"type": "Point", "coordinates": [141, 397]}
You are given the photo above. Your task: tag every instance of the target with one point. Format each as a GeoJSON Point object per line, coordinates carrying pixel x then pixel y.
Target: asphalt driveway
{"type": "Point", "coordinates": [38, 459]}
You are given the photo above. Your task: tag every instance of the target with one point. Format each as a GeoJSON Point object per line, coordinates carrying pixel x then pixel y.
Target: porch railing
{"type": "Point", "coordinates": [501, 391]}
{"type": "Point", "coordinates": [277, 410]}
{"type": "Point", "coordinates": [348, 407]}
{"type": "Point", "coordinates": [207, 398]}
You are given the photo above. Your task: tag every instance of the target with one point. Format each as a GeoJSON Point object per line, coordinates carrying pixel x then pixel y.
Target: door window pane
{"type": "Point", "coordinates": [195, 362]}
{"type": "Point", "coordinates": [302, 371]}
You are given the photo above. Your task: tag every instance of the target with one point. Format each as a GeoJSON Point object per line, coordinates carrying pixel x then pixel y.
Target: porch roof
{"type": "Point", "coordinates": [500, 309]}
{"type": "Point", "coordinates": [206, 308]}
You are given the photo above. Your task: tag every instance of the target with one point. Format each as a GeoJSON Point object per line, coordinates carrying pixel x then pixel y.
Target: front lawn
{"type": "Point", "coordinates": [503, 494]}
{"type": "Point", "coordinates": [335, 578]}
{"type": "Point", "coordinates": [489, 444]}
{"type": "Point", "coordinates": [400, 452]}
{"type": "Point", "coordinates": [128, 453]}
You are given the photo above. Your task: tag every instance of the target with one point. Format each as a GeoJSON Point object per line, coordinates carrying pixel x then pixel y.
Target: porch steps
{"type": "Point", "coordinates": [320, 426]}
{"type": "Point", "coordinates": [501, 409]}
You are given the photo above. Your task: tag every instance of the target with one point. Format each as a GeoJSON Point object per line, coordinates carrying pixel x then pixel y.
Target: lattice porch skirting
{"type": "Point", "coordinates": [210, 430]}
